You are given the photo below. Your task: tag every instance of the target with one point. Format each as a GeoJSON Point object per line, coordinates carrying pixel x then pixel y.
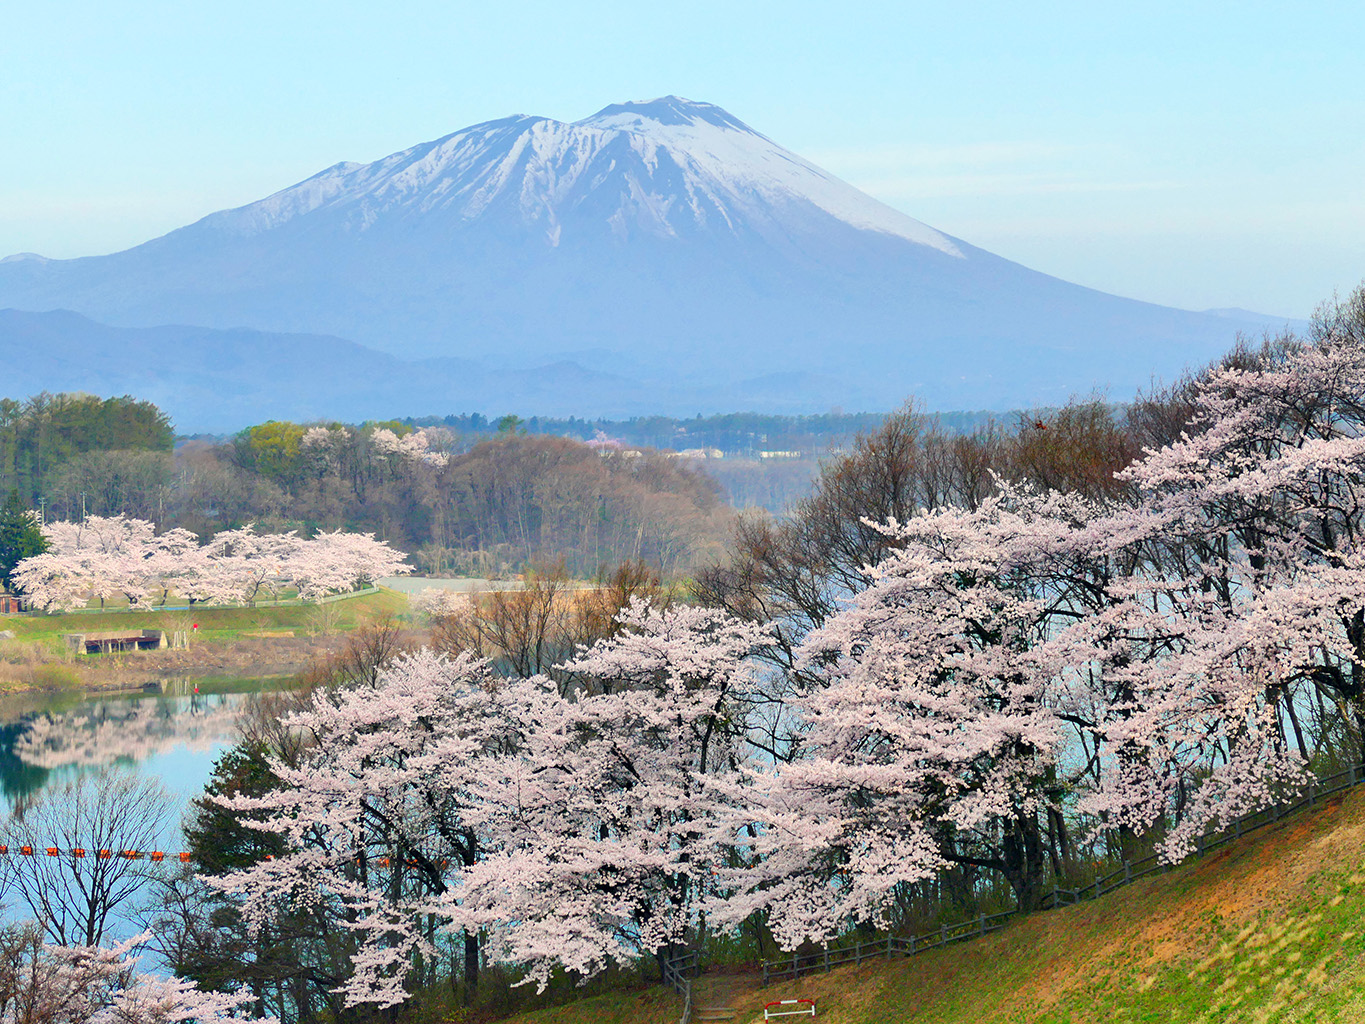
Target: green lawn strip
{"type": "Point", "coordinates": [214, 623]}
{"type": "Point", "coordinates": [1063, 966]}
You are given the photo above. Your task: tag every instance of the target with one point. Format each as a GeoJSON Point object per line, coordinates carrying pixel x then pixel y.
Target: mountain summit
{"type": "Point", "coordinates": [664, 240]}
{"type": "Point", "coordinates": [669, 168]}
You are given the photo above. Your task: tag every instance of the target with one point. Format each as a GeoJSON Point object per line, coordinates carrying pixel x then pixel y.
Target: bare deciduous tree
{"type": "Point", "coordinates": [533, 630]}
{"type": "Point", "coordinates": [71, 894]}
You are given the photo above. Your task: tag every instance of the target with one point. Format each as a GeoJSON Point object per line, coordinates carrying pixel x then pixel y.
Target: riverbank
{"type": "Point", "coordinates": [225, 643]}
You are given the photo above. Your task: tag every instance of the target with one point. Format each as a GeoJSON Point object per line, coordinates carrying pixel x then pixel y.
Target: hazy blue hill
{"type": "Point", "coordinates": [214, 381]}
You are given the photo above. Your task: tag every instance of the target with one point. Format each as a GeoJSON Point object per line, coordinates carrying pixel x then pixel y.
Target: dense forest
{"type": "Point", "coordinates": [476, 497]}
{"type": "Point", "coordinates": [504, 502]}
{"type": "Point", "coordinates": [475, 505]}
{"type": "Point", "coordinates": [56, 448]}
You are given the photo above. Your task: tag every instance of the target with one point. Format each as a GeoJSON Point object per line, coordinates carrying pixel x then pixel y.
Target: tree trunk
{"type": "Point", "coordinates": [471, 966]}
{"type": "Point", "coordinates": [1025, 859]}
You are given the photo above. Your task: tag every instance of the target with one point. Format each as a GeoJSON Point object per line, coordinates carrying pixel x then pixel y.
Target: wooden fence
{"type": "Point", "coordinates": [1127, 872]}
{"type": "Point", "coordinates": [679, 972]}
{"type": "Point", "coordinates": [1130, 871]}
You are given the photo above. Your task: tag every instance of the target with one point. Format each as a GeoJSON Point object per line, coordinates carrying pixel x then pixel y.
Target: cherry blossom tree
{"type": "Point", "coordinates": [42, 984]}
{"type": "Point", "coordinates": [1250, 589]}
{"type": "Point", "coordinates": [439, 603]}
{"type": "Point", "coordinates": [607, 816]}
{"type": "Point", "coordinates": [338, 561]}
{"type": "Point", "coordinates": [933, 734]}
{"type": "Point", "coordinates": [375, 816]}
{"type": "Point", "coordinates": [571, 832]}
{"type": "Point", "coordinates": [242, 564]}
{"type": "Point", "coordinates": [416, 447]}
{"type": "Point", "coordinates": [102, 557]}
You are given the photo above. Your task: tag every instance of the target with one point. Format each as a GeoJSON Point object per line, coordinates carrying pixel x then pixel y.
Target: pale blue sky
{"type": "Point", "coordinates": [1197, 155]}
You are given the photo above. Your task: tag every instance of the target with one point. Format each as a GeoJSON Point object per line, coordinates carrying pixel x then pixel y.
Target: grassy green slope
{"type": "Point", "coordinates": [1270, 929]}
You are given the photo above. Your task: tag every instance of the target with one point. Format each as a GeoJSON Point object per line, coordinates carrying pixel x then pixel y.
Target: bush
{"type": "Point", "coordinates": [54, 677]}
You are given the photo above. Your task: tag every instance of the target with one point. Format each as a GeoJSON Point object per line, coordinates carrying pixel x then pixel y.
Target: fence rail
{"type": "Point", "coordinates": [678, 973]}
{"type": "Point", "coordinates": [1129, 871]}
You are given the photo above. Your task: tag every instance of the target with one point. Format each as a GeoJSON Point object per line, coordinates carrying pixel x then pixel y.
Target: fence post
{"type": "Point", "coordinates": [1055, 901]}
{"type": "Point", "coordinates": [888, 945]}
{"type": "Point", "coordinates": [1353, 773]}
{"type": "Point", "coordinates": [795, 972]}
{"type": "Point", "coordinates": [765, 973]}
{"type": "Point", "coordinates": [1312, 792]}
{"type": "Point", "coordinates": [1098, 891]}
{"type": "Point", "coordinates": [1237, 828]}
{"type": "Point", "coordinates": [912, 943]}
{"type": "Point", "coordinates": [1127, 871]}
{"type": "Point", "coordinates": [826, 957]}
{"type": "Point", "coordinates": [943, 934]}
{"type": "Point", "coordinates": [981, 924]}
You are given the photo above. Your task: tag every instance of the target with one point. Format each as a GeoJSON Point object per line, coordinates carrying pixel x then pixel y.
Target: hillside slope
{"type": "Point", "coordinates": [1269, 929]}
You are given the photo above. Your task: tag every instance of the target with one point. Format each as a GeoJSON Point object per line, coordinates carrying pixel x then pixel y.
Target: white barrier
{"type": "Point", "coordinates": [808, 1004]}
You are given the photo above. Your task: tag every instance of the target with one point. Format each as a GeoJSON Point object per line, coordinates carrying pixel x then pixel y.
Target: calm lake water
{"type": "Point", "coordinates": [174, 737]}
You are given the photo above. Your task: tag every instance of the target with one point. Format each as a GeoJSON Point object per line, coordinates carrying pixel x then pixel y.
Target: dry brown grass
{"type": "Point", "coordinates": [33, 665]}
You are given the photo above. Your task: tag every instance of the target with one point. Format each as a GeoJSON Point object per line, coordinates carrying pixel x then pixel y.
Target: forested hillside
{"type": "Point", "coordinates": [503, 502]}
{"type": "Point", "coordinates": [734, 434]}
{"type": "Point", "coordinates": [467, 504]}
{"type": "Point", "coordinates": [115, 451]}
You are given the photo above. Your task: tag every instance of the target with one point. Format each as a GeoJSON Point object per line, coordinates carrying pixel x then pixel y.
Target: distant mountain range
{"type": "Point", "coordinates": [217, 381]}
{"type": "Point", "coordinates": [655, 257]}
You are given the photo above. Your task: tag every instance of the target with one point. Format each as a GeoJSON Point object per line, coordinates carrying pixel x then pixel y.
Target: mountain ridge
{"type": "Point", "coordinates": [211, 380]}
{"type": "Point", "coordinates": [666, 233]}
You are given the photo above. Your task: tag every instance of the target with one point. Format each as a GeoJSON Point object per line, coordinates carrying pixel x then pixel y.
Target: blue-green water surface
{"type": "Point", "coordinates": [173, 737]}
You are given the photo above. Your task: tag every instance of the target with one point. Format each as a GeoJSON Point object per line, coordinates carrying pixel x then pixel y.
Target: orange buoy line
{"type": "Point", "coordinates": [160, 855]}
{"type": "Point", "coordinates": [53, 851]}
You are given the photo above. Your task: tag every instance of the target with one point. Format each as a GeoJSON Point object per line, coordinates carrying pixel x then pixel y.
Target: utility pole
{"type": "Point", "coordinates": [42, 510]}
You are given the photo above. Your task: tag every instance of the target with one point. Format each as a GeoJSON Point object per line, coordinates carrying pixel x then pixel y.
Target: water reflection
{"type": "Point", "coordinates": [133, 730]}
{"type": "Point", "coordinates": [174, 736]}
{"type": "Point", "coordinates": [18, 780]}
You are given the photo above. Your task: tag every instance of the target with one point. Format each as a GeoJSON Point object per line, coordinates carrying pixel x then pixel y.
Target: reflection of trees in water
{"type": "Point", "coordinates": [105, 731]}
{"type": "Point", "coordinates": [18, 779]}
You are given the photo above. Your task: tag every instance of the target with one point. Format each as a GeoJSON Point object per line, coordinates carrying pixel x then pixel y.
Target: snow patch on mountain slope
{"type": "Point", "coordinates": [720, 148]}
{"type": "Point", "coordinates": [729, 174]}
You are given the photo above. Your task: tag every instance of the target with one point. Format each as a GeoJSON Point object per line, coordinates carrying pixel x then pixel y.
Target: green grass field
{"type": "Point", "coordinates": [1271, 929]}
{"type": "Point", "coordinates": [214, 623]}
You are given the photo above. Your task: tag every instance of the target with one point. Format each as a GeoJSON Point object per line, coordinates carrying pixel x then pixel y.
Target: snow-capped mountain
{"type": "Point", "coordinates": [670, 168]}
{"type": "Point", "coordinates": [664, 243]}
